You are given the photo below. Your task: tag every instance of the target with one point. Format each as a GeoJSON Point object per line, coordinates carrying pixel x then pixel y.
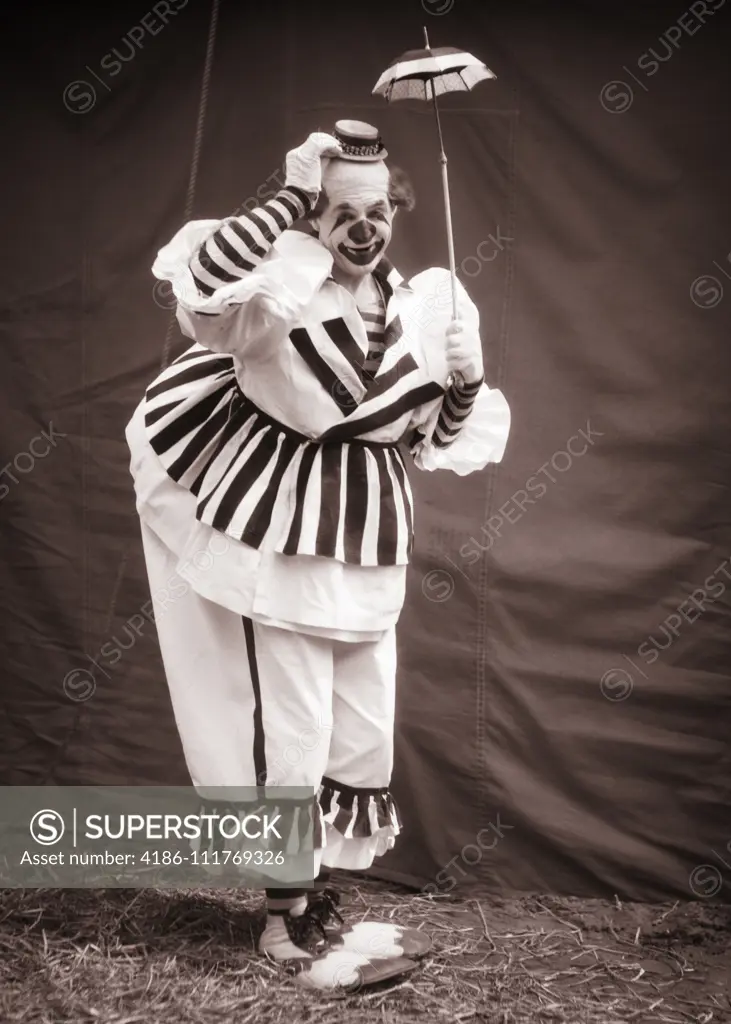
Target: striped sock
{"type": "Point", "coordinates": [294, 905]}
{"type": "Point", "coordinates": [275, 940]}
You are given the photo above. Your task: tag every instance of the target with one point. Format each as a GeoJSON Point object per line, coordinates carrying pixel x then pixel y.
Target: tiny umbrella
{"type": "Point", "coordinates": [425, 74]}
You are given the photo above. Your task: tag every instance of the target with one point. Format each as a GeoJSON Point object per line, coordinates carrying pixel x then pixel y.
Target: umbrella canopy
{"type": "Point", "coordinates": [444, 68]}
{"type": "Point", "coordinates": [424, 75]}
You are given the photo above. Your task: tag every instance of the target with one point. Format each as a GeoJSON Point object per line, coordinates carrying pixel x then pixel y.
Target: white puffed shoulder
{"type": "Point", "coordinates": [287, 278]}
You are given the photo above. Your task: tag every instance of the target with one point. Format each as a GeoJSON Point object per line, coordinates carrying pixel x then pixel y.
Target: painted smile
{"type": "Point", "coordinates": [361, 254]}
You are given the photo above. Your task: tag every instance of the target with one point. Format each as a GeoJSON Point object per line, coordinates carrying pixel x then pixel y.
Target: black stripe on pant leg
{"type": "Point", "coordinates": [260, 759]}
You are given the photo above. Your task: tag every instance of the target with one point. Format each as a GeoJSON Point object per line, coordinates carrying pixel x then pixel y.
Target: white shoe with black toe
{"type": "Point", "coordinates": [299, 941]}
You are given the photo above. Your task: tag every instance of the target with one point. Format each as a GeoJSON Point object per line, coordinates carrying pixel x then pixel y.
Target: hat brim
{"type": "Point", "coordinates": [368, 159]}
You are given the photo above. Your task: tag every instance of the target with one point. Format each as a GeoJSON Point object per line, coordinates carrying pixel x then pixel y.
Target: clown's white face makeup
{"type": "Point", "coordinates": [356, 225]}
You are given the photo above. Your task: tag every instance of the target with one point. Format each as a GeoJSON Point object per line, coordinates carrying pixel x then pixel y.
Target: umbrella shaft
{"type": "Point", "coordinates": [447, 205]}
{"type": "Point", "coordinates": [450, 237]}
{"type": "Point", "coordinates": [436, 114]}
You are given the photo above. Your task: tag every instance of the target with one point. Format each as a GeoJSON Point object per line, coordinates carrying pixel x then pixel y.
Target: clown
{"type": "Point", "coordinates": [274, 445]}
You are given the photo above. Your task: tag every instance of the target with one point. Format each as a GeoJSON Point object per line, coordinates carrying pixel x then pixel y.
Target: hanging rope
{"type": "Point", "coordinates": [197, 145]}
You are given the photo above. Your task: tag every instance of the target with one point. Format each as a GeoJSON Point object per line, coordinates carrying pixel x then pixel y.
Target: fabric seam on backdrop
{"type": "Point", "coordinates": [483, 814]}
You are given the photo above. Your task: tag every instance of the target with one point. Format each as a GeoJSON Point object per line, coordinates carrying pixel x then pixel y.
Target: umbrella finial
{"type": "Point", "coordinates": [426, 38]}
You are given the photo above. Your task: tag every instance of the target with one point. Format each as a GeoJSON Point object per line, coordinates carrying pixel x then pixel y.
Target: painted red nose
{"type": "Point", "coordinates": [361, 233]}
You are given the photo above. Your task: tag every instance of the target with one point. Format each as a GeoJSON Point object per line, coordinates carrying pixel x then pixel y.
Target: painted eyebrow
{"type": "Point", "coordinates": [380, 204]}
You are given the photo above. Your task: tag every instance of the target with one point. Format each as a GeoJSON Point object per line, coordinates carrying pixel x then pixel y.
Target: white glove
{"type": "Point", "coordinates": [464, 352]}
{"type": "Point", "coordinates": [304, 166]}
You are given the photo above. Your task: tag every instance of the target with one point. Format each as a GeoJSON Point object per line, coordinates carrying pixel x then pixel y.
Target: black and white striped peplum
{"type": "Point", "coordinates": [346, 498]}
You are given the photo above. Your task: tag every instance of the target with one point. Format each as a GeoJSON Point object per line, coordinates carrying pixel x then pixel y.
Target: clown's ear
{"type": "Point", "coordinates": [400, 190]}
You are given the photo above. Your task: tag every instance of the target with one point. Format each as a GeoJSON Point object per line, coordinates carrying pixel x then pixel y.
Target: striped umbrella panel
{"type": "Point", "coordinates": [448, 70]}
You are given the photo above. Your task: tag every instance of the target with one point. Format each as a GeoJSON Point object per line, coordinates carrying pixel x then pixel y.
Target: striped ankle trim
{"type": "Point", "coordinates": [358, 813]}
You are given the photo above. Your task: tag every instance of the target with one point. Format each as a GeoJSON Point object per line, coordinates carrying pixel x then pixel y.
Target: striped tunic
{"type": "Point", "coordinates": [293, 447]}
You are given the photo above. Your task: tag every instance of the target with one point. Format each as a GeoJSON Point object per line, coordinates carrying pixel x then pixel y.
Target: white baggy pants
{"type": "Point", "coordinates": [258, 705]}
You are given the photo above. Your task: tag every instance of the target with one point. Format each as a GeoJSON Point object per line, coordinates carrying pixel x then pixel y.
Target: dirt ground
{"type": "Point", "coordinates": [121, 956]}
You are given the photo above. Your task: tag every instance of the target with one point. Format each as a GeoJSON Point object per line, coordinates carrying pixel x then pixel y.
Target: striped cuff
{"type": "Point", "coordinates": [301, 200]}
{"type": "Point", "coordinates": [456, 406]}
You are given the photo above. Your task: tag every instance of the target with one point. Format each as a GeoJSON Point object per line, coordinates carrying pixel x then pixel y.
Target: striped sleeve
{"type": "Point", "coordinates": [240, 243]}
{"type": "Point", "coordinates": [457, 405]}
{"type": "Point", "coordinates": [462, 431]}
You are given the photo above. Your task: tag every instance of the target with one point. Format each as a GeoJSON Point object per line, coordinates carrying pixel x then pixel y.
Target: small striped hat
{"type": "Point", "coordinates": [360, 141]}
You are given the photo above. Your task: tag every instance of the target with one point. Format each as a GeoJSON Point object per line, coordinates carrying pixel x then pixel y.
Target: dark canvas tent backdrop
{"type": "Point", "coordinates": [587, 319]}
